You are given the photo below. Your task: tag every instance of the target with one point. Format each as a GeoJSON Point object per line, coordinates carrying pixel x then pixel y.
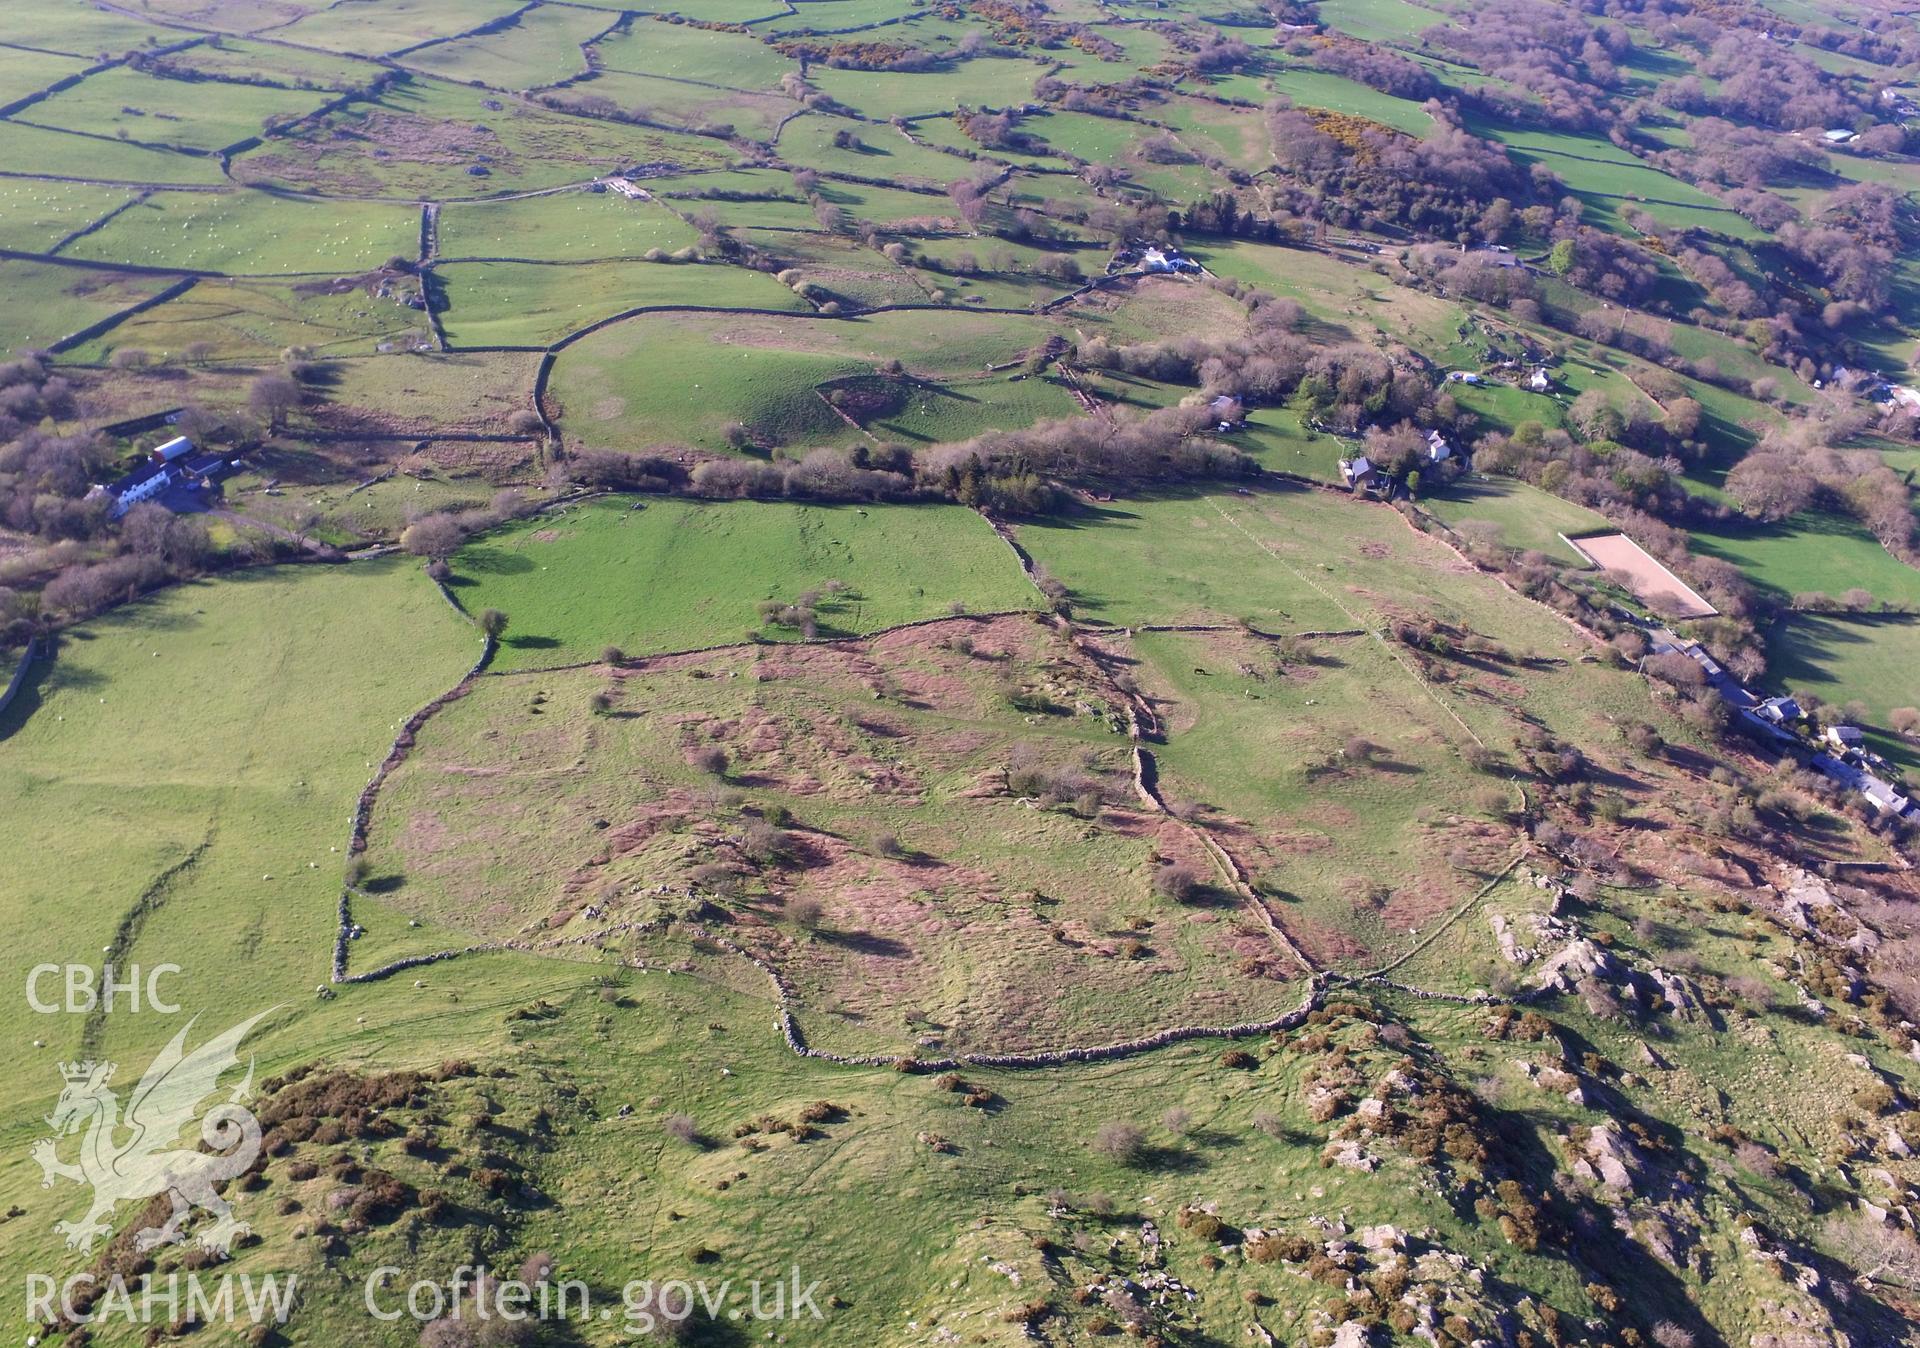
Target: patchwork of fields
{"type": "Point", "coordinates": [932, 648]}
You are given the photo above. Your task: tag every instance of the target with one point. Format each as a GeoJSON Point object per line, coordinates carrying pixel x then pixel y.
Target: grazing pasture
{"type": "Point", "coordinates": [197, 115]}
{"type": "Point", "coordinates": [393, 25]}
{"type": "Point", "coordinates": [46, 303]}
{"type": "Point", "coordinates": [536, 304]}
{"type": "Point", "coordinates": [1843, 658]}
{"type": "Point", "coordinates": [564, 227]}
{"type": "Point", "coordinates": [540, 47]}
{"type": "Point", "coordinates": [244, 233]}
{"type": "Point", "coordinates": [672, 575]}
{"type": "Point", "coordinates": [231, 831]}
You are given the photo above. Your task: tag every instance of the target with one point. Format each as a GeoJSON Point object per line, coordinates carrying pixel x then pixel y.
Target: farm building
{"type": "Point", "coordinates": [142, 484]}
{"type": "Point", "coordinates": [1540, 381]}
{"type": "Point", "coordinates": [1438, 449]}
{"type": "Point", "coordinates": [1161, 261]}
{"type": "Point", "coordinates": [1778, 710]}
{"type": "Point", "coordinates": [173, 464]}
{"type": "Point", "coordinates": [1845, 737]}
{"type": "Point", "coordinates": [1358, 471]}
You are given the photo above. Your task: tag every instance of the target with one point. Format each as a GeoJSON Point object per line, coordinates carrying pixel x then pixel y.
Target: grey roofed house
{"type": "Point", "coordinates": [1845, 736]}
{"type": "Point", "coordinates": [1357, 469]}
{"type": "Point", "coordinates": [1883, 797]}
{"type": "Point", "coordinates": [1778, 710]}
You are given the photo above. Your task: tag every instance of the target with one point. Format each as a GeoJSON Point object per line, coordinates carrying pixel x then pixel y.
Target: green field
{"type": "Point", "coordinates": [613, 388]}
{"type": "Point", "coordinates": [699, 55]}
{"type": "Point", "coordinates": [255, 233]}
{"type": "Point", "coordinates": [257, 320]}
{"type": "Point", "coordinates": [34, 216]}
{"type": "Point", "coordinates": [46, 303]}
{"type": "Point", "coordinates": [535, 304]}
{"type": "Point", "coordinates": [1812, 552]}
{"type": "Point", "coordinates": [567, 227]}
{"type": "Point", "coordinates": [312, 667]}
{"type": "Point", "coordinates": [199, 115]}
{"type": "Point", "coordinates": [544, 46]}
{"type": "Point", "coordinates": [30, 149]}
{"type": "Point", "coordinates": [394, 24]}
{"type": "Point", "coordinates": [675, 575]}
{"type": "Point", "coordinates": [424, 139]}
{"type": "Point", "coordinates": [1080, 750]}
{"type": "Point", "coordinates": [1843, 659]}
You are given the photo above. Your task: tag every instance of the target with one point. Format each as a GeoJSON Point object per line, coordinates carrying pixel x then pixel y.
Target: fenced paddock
{"type": "Point", "coordinates": [1649, 579]}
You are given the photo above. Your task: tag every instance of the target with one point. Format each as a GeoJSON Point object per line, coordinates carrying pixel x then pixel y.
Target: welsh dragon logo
{"type": "Point", "coordinates": [137, 1155]}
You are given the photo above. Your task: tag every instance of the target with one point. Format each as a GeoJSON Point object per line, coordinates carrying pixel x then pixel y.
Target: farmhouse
{"type": "Point", "coordinates": [1845, 737]}
{"type": "Point", "coordinates": [172, 464]}
{"type": "Point", "coordinates": [1778, 710]}
{"type": "Point", "coordinates": [1438, 450]}
{"type": "Point", "coordinates": [1358, 471]}
{"type": "Point", "coordinates": [1160, 261]}
{"type": "Point", "coordinates": [1540, 381]}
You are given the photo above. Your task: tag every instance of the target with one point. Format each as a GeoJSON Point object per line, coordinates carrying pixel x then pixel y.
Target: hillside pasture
{"type": "Point", "coordinates": [202, 115]}
{"type": "Point", "coordinates": [564, 227]}
{"type": "Point", "coordinates": [536, 304]}
{"type": "Point", "coordinates": [46, 303]}
{"type": "Point", "coordinates": [1811, 552]}
{"type": "Point", "coordinates": [614, 388]}
{"type": "Point", "coordinates": [995, 81]}
{"type": "Point", "coordinates": [244, 233]}
{"type": "Point", "coordinates": [34, 216]}
{"type": "Point", "coordinates": [35, 150]}
{"type": "Point", "coordinates": [258, 320]}
{"type": "Point", "coordinates": [712, 57]}
{"type": "Point", "coordinates": [108, 798]}
{"type": "Point", "coordinates": [393, 25]}
{"type": "Point", "coordinates": [431, 140]}
{"type": "Point", "coordinates": [678, 574]}
{"type": "Point", "coordinates": [1007, 925]}
{"type": "Point", "coordinates": [687, 104]}
{"type": "Point", "coordinates": [27, 72]}
{"type": "Point", "coordinates": [1517, 514]}
{"type": "Point", "coordinates": [543, 46]}
{"type": "Point", "coordinates": [1846, 658]}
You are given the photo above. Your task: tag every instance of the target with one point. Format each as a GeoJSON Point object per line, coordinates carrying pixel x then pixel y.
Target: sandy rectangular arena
{"type": "Point", "coordinates": [1645, 575]}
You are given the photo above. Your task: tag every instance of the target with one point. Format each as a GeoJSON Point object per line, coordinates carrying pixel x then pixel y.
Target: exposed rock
{"type": "Point", "coordinates": [1613, 1157]}
{"type": "Point", "coordinates": [1350, 1155]}
{"type": "Point", "coordinates": [1579, 958]}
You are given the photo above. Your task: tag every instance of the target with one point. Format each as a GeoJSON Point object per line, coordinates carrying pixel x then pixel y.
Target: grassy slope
{"type": "Point", "coordinates": [655, 570]}
{"type": "Point", "coordinates": [243, 715]}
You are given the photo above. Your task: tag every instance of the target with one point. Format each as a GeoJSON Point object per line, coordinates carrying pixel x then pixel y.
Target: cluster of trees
{"type": "Point", "coordinates": [1604, 264]}
{"type": "Point", "coordinates": [1369, 63]}
{"type": "Point", "coordinates": [1359, 174]}
{"type": "Point", "coordinates": [848, 55]}
{"type": "Point", "coordinates": [1794, 467]}
{"type": "Point", "coordinates": [1350, 384]}
{"type": "Point", "coordinates": [1565, 65]}
{"type": "Point", "coordinates": [1852, 244]}
{"type": "Point", "coordinates": [1760, 80]}
{"type": "Point", "coordinates": [1731, 155]}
